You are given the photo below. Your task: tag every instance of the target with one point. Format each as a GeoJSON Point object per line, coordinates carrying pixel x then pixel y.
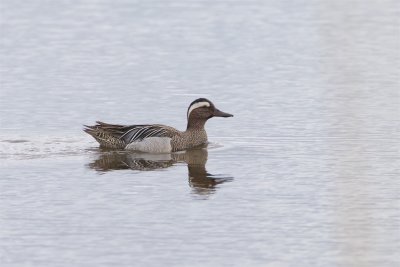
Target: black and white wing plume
{"type": "Point", "coordinates": [140, 132]}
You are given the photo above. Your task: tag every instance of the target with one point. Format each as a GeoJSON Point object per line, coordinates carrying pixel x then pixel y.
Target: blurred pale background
{"type": "Point", "coordinates": [305, 174]}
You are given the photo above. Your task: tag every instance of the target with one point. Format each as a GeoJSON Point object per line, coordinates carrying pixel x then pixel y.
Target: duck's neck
{"type": "Point", "coordinates": [195, 125]}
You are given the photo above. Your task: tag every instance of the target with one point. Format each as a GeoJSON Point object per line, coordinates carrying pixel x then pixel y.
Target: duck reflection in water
{"type": "Point", "coordinates": [202, 182]}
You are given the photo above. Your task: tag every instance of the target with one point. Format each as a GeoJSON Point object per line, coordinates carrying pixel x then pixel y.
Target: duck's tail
{"type": "Point", "coordinates": [107, 135]}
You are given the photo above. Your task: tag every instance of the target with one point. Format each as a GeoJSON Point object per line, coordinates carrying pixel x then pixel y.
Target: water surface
{"type": "Point", "coordinates": [305, 174]}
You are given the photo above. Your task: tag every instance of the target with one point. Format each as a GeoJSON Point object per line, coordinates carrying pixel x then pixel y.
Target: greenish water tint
{"type": "Point", "coordinates": [304, 174]}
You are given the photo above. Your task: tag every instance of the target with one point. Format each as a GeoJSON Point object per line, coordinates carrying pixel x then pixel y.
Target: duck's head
{"type": "Point", "coordinates": [203, 109]}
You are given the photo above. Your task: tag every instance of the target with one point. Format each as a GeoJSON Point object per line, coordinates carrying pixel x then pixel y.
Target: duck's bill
{"type": "Point", "coordinates": [219, 113]}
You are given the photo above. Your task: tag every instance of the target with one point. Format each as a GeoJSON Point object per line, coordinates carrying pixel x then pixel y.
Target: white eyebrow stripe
{"type": "Point", "coordinates": [198, 105]}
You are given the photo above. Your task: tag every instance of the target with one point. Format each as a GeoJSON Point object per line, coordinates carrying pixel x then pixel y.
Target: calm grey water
{"type": "Point", "coordinates": [305, 174]}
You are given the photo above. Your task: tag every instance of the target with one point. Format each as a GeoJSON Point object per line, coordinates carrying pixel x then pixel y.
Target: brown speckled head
{"type": "Point", "coordinates": [201, 110]}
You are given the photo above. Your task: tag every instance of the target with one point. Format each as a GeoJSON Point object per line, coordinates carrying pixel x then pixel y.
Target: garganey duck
{"type": "Point", "coordinates": [157, 138]}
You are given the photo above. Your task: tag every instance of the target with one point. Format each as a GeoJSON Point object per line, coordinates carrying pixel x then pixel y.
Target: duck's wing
{"type": "Point", "coordinates": [136, 133]}
{"type": "Point", "coordinates": [133, 133]}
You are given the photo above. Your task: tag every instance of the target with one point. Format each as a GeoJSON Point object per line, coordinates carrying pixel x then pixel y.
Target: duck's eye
{"type": "Point", "coordinates": [198, 105]}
